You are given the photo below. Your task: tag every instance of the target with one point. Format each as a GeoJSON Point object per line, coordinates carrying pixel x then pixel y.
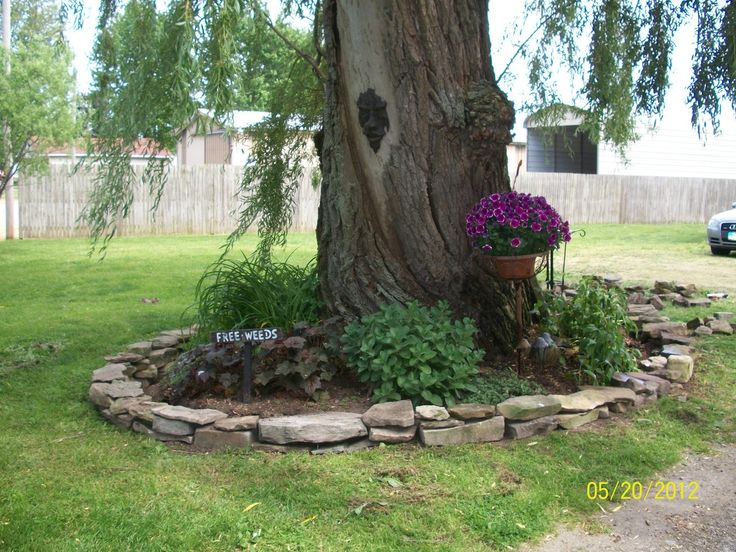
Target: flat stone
{"type": "Point", "coordinates": [703, 331]}
{"type": "Point", "coordinates": [609, 395]}
{"type": "Point", "coordinates": [679, 368]}
{"type": "Point", "coordinates": [641, 310]}
{"type": "Point", "coordinates": [440, 424]}
{"type": "Point", "coordinates": [571, 421]}
{"type": "Point", "coordinates": [580, 401]}
{"type": "Point", "coordinates": [721, 315]}
{"type": "Point", "coordinates": [699, 302]}
{"type": "Point", "coordinates": [680, 300]}
{"type": "Point", "coordinates": [663, 287]}
{"type": "Point", "coordinates": [161, 357]}
{"type": "Point", "coordinates": [720, 327]}
{"type": "Point", "coordinates": [242, 423]}
{"type": "Point", "coordinates": [182, 334]}
{"type": "Point", "coordinates": [148, 372]}
{"type": "Point", "coordinates": [653, 330]}
{"type": "Point", "coordinates": [353, 446]}
{"type": "Point", "coordinates": [524, 430]}
{"type": "Point", "coordinates": [694, 323]}
{"type": "Point", "coordinates": [672, 350]}
{"type": "Point", "coordinates": [123, 421]}
{"type": "Point", "coordinates": [477, 432]}
{"type": "Point", "coordinates": [122, 358]}
{"type": "Point", "coordinates": [619, 407]}
{"type": "Point", "coordinates": [392, 435]}
{"type": "Point", "coordinates": [140, 428]}
{"type": "Point", "coordinates": [656, 302]}
{"type": "Point", "coordinates": [687, 290]}
{"type": "Point", "coordinates": [144, 410]}
{"type": "Point", "coordinates": [650, 319]}
{"type": "Point", "coordinates": [197, 416]}
{"type": "Point", "coordinates": [623, 380]}
{"type": "Point", "coordinates": [140, 348]}
{"type": "Point", "coordinates": [612, 279]}
{"type": "Point", "coordinates": [109, 373]}
{"type": "Point", "coordinates": [164, 342]}
{"type": "Point", "coordinates": [172, 427]}
{"type": "Point", "coordinates": [472, 411]}
{"type": "Point", "coordinates": [98, 396]}
{"type": "Point", "coordinates": [213, 439]}
{"type": "Point", "coordinates": [663, 385]}
{"type": "Point", "coordinates": [329, 427]}
{"type": "Point", "coordinates": [528, 407]}
{"type": "Point", "coordinates": [120, 389]}
{"type": "Point", "coordinates": [431, 412]}
{"type": "Point", "coordinates": [121, 406]}
{"type": "Point", "coordinates": [603, 413]}
{"type": "Point", "coordinates": [397, 414]}
{"type": "Point", "coordinates": [668, 338]}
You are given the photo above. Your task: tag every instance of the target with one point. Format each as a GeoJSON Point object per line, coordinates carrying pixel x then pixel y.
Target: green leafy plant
{"type": "Point", "coordinates": [256, 292]}
{"type": "Point", "coordinates": [496, 387]}
{"type": "Point", "coordinates": [596, 322]}
{"type": "Point", "coordinates": [413, 352]}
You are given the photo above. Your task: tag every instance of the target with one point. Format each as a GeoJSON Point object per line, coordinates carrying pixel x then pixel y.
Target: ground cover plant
{"type": "Point", "coordinates": [70, 481]}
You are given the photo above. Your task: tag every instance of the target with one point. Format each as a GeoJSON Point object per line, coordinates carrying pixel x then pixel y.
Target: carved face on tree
{"type": "Point", "coordinates": [372, 117]}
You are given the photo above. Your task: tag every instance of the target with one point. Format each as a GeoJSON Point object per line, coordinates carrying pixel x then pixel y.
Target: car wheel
{"type": "Point", "coordinates": [719, 250]}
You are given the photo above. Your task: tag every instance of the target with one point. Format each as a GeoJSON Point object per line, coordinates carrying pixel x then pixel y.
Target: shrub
{"type": "Point", "coordinates": [413, 352]}
{"type": "Point", "coordinates": [500, 385]}
{"type": "Point", "coordinates": [596, 321]}
{"type": "Point", "coordinates": [252, 293]}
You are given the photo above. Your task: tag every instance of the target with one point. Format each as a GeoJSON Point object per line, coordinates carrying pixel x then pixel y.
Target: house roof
{"type": "Point", "coordinates": [556, 115]}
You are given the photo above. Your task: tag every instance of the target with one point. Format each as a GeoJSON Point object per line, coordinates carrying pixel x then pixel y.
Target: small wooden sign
{"type": "Point", "coordinates": [256, 335]}
{"type": "Point", "coordinates": [248, 338]}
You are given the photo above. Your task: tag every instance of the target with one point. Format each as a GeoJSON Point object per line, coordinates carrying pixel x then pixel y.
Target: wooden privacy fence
{"type": "Point", "coordinates": [199, 199]}
{"type": "Point", "coordinates": [203, 199]}
{"type": "Point", "coordinates": [585, 199]}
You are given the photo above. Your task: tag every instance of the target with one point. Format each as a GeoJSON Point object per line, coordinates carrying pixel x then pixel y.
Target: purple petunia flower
{"type": "Point", "coordinates": [536, 227]}
{"type": "Point", "coordinates": [515, 242]}
{"type": "Point", "coordinates": [514, 223]}
{"type": "Point", "coordinates": [487, 248]}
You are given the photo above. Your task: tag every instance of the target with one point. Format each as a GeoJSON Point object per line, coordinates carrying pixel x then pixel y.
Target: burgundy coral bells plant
{"type": "Point", "coordinates": [513, 223]}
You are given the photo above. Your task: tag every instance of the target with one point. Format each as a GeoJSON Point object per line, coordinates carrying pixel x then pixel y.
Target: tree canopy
{"type": "Point", "coordinates": [37, 99]}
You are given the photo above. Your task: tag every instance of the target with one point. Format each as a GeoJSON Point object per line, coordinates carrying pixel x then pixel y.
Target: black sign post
{"type": "Point", "coordinates": [247, 337]}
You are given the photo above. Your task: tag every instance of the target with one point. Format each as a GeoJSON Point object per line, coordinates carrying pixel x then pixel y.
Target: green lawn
{"type": "Point", "coordinates": [70, 481]}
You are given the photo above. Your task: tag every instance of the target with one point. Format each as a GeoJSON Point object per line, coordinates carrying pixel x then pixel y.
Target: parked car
{"type": "Point", "coordinates": [722, 232]}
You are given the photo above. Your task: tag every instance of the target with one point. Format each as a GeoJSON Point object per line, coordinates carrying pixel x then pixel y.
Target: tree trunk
{"type": "Point", "coordinates": [392, 221]}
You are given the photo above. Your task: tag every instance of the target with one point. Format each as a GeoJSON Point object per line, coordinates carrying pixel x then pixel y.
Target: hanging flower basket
{"type": "Point", "coordinates": [516, 267]}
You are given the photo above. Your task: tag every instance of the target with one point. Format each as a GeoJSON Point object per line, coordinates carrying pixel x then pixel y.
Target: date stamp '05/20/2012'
{"type": "Point", "coordinates": [642, 490]}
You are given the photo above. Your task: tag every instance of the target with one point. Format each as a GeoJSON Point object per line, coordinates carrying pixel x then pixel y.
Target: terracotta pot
{"type": "Point", "coordinates": [519, 267]}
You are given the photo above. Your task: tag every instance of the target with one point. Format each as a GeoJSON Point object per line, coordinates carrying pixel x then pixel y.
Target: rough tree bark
{"type": "Point", "coordinates": [392, 221]}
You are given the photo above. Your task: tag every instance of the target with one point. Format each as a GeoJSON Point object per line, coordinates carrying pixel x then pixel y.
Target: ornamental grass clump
{"type": "Point", "coordinates": [513, 223]}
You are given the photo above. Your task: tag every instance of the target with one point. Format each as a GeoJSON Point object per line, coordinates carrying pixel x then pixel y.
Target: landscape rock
{"type": "Point", "coordinates": [392, 435]}
{"type": "Point", "coordinates": [524, 430]}
{"type": "Point", "coordinates": [623, 380]}
{"type": "Point", "coordinates": [118, 389]}
{"type": "Point", "coordinates": [161, 357]}
{"type": "Point", "coordinates": [197, 416]}
{"type": "Point", "coordinates": [668, 338]}
{"type": "Point", "coordinates": [397, 413]}
{"type": "Point", "coordinates": [98, 396]}
{"type": "Point", "coordinates": [472, 411]}
{"type": "Point", "coordinates": [641, 310]}
{"type": "Point", "coordinates": [703, 331]}
{"type": "Point", "coordinates": [680, 368]}
{"type": "Point", "coordinates": [609, 395]}
{"type": "Point", "coordinates": [663, 386]}
{"type": "Point", "coordinates": [141, 348]}
{"type": "Point", "coordinates": [721, 327]}
{"type": "Point", "coordinates": [654, 330]}
{"type": "Point", "coordinates": [484, 431]}
{"type": "Point", "coordinates": [656, 302]}
{"type": "Point", "coordinates": [694, 323]}
{"type": "Point", "coordinates": [619, 407]}
{"type": "Point", "coordinates": [353, 446]}
{"type": "Point", "coordinates": [440, 424]}
{"type": "Point", "coordinates": [572, 421]}
{"type": "Point", "coordinates": [661, 287]}
{"type": "Point", "coordinates": [638, 298]}
{"type": "Point", "coordinates": [611, 280]}
{"type": "Point", "coordinates": [329, 427]}
{"type": "Point", "coordinates": [723, 315]}
{"type": "Point", "coordinates": [122, 358]}
{"type": "Point", "coordinates": [122, 406]}
{"type": "Point", "coordinates": [528, 407]}
{"type": "Point", "coordinates": [147, 372]}
{"type": "Point", "coordinates": [581, 401]}
{"type": "Point", "coordinates": [680, 300]}
{"type": "Point", "coordinates": [213, 439]}
{"type": "Point", "coordinates": [603, 413]}
{"type": "Point", "coordinates": [164, 342]}
{"type": "Point", "coordinates": [123, 421]}
{"type": "Point", "coordinates": [241, 423]}
{"type": "Point", "coordinates": [140, 428]}
{"type": "Point", "coordinates": [182, 334]}
{"type": "Point", "coordinates": [172, 427]}
{"type": "Point", "coordinates": [699, 302]}
{"type": "Point", "coordinates": [144, 410]}
{"type": "Point", "coordinates": [109, 373]}
{"type": "Point", "coordinates": [672, 349]}
{"type": "Point", "coordinates": [431, 412]}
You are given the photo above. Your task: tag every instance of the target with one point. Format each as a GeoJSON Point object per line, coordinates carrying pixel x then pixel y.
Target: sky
{"type": "Point", "coordinates": [502, 16]}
